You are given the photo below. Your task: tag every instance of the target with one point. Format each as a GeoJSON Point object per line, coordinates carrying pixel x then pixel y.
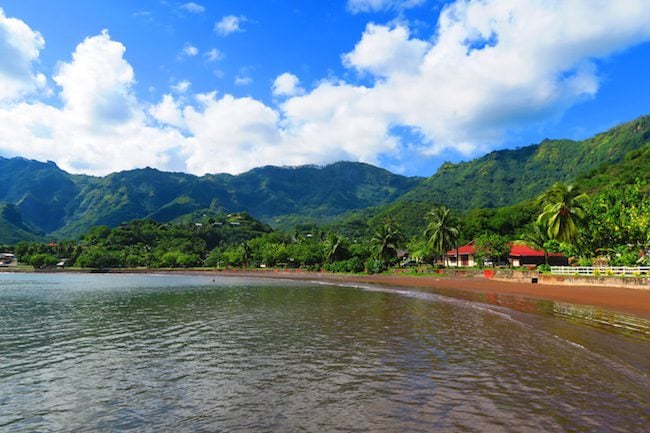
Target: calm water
{"type": "Point", "coordinates": [168, 353]}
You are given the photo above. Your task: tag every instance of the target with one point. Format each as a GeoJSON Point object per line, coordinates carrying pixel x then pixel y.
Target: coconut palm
{"type": "Point", "coordinates": [443, 230]}
{"type": "Point", "coordinates": [537, 237]}
{"type": "Point", "coordinates": [388, 238]}
{"type": "Point", "coordinates": [563, 212]}
{"type": "Point", "coordinates": [335, 247]}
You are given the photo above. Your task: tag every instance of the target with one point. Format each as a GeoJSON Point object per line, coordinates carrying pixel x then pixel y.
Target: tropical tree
{"type": "Point", "coordinates": [563, 213]}
{"type": "Point", "coordinates": [443, 230]}
{"type": "Point", "coordinates": [387, 239]}
{"type": "Point", "coordinates": [336, 248]}
{"type": "Point", "coordinates": [537, 238]}
{"type": "Point", "coordinates": [493, 246]}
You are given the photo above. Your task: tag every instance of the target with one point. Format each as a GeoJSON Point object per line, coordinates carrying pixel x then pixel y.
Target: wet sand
{"type": "Point", "coordinates": [624, 300]}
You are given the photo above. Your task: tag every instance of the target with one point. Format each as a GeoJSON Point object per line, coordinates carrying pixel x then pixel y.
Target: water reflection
{"type": "Point", "coordinates": [278, 356]}
{"type": "Point", "coordinates": [598, 317]}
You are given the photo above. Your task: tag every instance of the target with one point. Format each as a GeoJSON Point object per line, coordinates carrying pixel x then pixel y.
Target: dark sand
{"type": "Point", "coordinates": [625, 300]}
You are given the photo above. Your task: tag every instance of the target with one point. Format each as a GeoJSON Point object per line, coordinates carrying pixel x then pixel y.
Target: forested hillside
{"type": "Point", "coordinates": [506, 177]}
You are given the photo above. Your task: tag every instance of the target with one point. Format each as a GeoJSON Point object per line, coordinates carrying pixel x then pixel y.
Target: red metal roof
{"type": "Point", "coordinates": [515, 250]}
{"type": "Point", "coordinates": [524, 250]}
{"type": "Point", "coordinates": [465, 249]}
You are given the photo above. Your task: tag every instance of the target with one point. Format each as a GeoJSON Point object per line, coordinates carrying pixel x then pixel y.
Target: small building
{"type": "Point", "coordinates": [467, 255]}
{"type": "Point", "coordinates": [7, 259]}
{"type": "Point", "coordinates": [523, 255]}
{"type": "Point", "coordinates": [520, 255]}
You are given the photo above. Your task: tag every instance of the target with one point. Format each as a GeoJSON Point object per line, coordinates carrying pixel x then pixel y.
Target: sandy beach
{"type": "Point", "coordinates": [621, 299]}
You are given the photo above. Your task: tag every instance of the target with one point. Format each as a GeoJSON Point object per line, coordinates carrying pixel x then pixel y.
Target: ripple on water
{"type": "Point", "coordinates": [153, 355]}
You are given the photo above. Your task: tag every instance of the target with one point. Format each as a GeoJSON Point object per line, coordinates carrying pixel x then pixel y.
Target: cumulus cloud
{"type": "Point", "coordinates": [356, 6]}
{"type": "Point", "coordinates": [242, 80]}
{"type": "Point", "coordinates": [182, 86]}
{"type": "Point", "coordinates": [213, 55]}
{"type": "Point", "coordinates": [287, 84]}
{"type": "Point", "coordinates": [193, 7]}
{"type": "Point", "coordinates": [99, 123]}
{"type": "Point", "coordinates": [190, 50]}
{"type": "Point", "coordinates": [385, 51]}
{"type": "Point", "coordinates": [19, 49]}
{"type": "Point", "coordinates": [229, 24]}
{"type": "Point", "coordinates": [490, 66]}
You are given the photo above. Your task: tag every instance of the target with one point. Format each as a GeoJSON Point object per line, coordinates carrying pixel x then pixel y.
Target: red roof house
{"type": "Point", "coordinates": [520, 255]}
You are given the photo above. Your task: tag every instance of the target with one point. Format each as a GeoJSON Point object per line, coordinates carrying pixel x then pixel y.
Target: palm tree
{"type": "Point", "coordinates": [537, 238]}
{"type": "Point", "coordinates": [443, 230]}
{"type": "Point", "coordinates": [563, 212]}
{"type": "Point", "coordinates": [388, 238]}
{"type": "Point", "coordinates": [335, 247]}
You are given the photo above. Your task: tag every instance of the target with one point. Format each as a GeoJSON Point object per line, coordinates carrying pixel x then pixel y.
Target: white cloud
{"type": "Point", "coordinates": [287, 85]}
{"type": "Point", "coordinates": [168, 111]}
{"type": "Point", "coordinates": [230, 134]}
{"type": "Point", "coordinates": [19, 49]}
{"type": "Point", "coordinates": [243, 80]}
{"type": "Point", "coordinates": [193, 7]}
{"type": "Point", "coordinates": [491, 65]}
{"type": "Point", "coordinates": [229, 24]}
{"type": "Point", "coordinates": [182, 86]}
{"type": "Point", "coordinates": [100, 122]}
{"type": "Point", "coordinates": [97, 83]}
{"type": "Point", "coordinates": [356, 6]}
{"type": "Point", "coordinates": [190, 50]}
{"type": "Point", "coordinates": [385, 51]}
{"type": "Point", "coordinates": [213, 55]}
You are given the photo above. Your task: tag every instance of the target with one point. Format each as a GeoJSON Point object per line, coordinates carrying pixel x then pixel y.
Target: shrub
{"type": "Point", "coordinates": [375, 266]}
{"type": "Point", "coordinates": [43, 260]}
{"type": "Point", "coordinates": [351, 265]}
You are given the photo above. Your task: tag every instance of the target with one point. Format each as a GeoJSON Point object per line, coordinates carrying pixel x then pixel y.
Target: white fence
{"type": "Point", "coordinates": [630, 271]}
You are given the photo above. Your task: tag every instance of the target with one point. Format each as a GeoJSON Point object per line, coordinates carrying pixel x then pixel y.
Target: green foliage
{"type": "Point", "coordinates": [43, 260]}
{"type": "Point", "coordinates": [617, 217]}
{"type": "Point", "coordinates": [506, 177]}
{"type": "Point", "coordinates": [387, 239]}
{"type": "Point", "coordinates": [492, 246]}
{"type": "Point", "coordinates": [563, 212]}
{"type": "Point", "coordinates": [353, 265]}
{"type": "Point", "coordinates": [443, 230]}
{"type": "Point", "coordinates": [375, 266]}
{"type": "Point", "coordinates": [98, 258]}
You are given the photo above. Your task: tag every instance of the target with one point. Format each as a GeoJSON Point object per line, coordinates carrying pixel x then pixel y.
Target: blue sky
{"type": "Point", "coordinates": [225, 86]}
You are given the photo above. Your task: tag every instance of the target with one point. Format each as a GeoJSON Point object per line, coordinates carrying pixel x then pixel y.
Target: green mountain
{"type": "Point", "coordinates": [506, 177]}
{"type": "Point", "coordinates": [12, 227]}
{"type": "Point", "coordinates": [55, 203]}
{"type": "Point", "coordinates": [64, 205]}
{"type": "Point", "coordinates": [40, 191]}
{"type": "Point", "coordinates": [497, 191]}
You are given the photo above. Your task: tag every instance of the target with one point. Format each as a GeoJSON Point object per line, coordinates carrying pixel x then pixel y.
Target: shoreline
{"type": "Point", "coordinates": [611, 298]}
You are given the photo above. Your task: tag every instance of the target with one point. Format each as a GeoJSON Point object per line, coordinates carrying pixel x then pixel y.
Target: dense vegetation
{"type": "Point", "coordinates": [507, 177]}
{"type": "Point", "coordinates": [180, 220]}
{"type": "Point", "coordinates": [60, 205]}
{"type": "Point", "coordinates": [611, 226]}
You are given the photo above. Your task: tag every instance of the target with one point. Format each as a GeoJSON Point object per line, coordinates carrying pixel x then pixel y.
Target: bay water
{"type": "Point", "coordinates": [152, 353]}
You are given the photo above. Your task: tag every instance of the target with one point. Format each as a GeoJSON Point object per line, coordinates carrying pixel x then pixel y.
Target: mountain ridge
{"type": "Point", "coordinates": [62, 205]}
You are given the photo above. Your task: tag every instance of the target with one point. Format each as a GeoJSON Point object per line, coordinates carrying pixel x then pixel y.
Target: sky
{"type": "Point", "coordinates": [230, 85]}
